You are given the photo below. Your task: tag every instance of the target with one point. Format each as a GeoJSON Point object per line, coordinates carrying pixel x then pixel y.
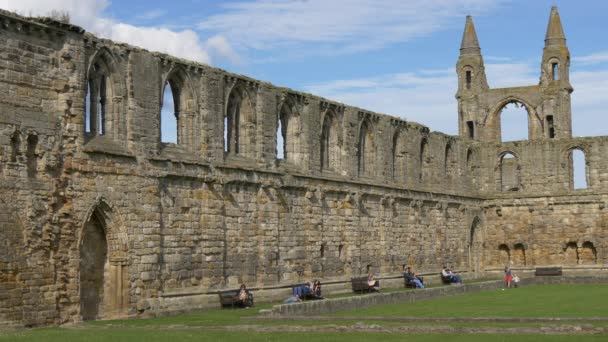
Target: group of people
{"type": "Point", "coordinates": [309, 291]}
{"type": "Point", "coordinates": [511, 279]}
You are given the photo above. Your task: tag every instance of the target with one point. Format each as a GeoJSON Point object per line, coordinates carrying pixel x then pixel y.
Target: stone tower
{"type": "Point", "coordinates": [547, 104]}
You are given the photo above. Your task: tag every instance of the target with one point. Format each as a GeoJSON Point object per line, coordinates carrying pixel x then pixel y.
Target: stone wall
{"type": "Point", "coordinates": [99, 219]}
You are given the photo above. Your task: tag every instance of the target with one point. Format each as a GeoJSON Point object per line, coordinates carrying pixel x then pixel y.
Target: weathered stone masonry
{"type": "Point", "coordinates": [100, 219]}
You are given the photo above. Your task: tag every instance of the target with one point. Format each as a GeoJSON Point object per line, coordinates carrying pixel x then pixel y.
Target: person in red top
{"type": "Point", "coordinates": [508, 276]}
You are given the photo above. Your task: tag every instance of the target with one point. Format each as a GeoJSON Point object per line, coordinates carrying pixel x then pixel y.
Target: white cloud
{"type": "Point", "coordinates": [218, 45]}
{"type": "Point", "coordinates": [337, 26]}
{"type": "Point", "coordinates": [594, 58]}
{"type": "Point", "coordinates": [90, 15]}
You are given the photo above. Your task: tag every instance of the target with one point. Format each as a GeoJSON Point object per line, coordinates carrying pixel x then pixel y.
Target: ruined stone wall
{"type": "Point", "coordinates": [192, 217]}
{"type": "Point", "coordinates": [355, 190]}
{"type": "Point", "coordinates": [546, 221]}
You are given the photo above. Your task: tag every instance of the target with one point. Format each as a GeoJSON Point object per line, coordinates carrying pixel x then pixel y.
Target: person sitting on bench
{"type": "Point", "coordinates": [446, 273]}
{"type": "Point", "coordinates": [412, 278]}
{"type": "Point", "coordinates": [243, 297]}
{"type": "Point", "coordinates": [372, 283]}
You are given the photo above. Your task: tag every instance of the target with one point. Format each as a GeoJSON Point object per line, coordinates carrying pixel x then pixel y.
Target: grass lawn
{"type": "Point", "coordinates": [534, 301]}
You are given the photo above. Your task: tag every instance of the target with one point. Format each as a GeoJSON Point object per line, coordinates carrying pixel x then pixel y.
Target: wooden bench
{"type": "Point", "coordinates": [230, 298]}
{"type": "Point", "coordinates": [548, 271]}
{"type": "Point", "coordinates": [360, 285]}
{"type": "Point", "coordinates": [409, 285]}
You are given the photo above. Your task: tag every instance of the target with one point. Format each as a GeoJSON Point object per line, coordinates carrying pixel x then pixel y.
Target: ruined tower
{"type": "Point", "coordinates": [547, 104]}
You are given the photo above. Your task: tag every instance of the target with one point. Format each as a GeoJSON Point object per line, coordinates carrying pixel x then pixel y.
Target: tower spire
{"type": "Point", "coordinates": [470, 43]}
{"type": "Point", "coordinates": [555, 32]}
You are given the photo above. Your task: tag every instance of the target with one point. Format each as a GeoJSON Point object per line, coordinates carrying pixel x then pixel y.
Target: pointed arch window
{"type": "Point", "coordinates": [578, 176]}
{"type": "Point", "coordinates": [104, 98]}
{"type": "Point", "coordinates": [509, 173]}
{"type": "Point", "coordinates": [422, 159]}
{"type": "Point", "coordinates": [330, 149]}
{"type": "Point", "coordinates": [169, 115]}
{"type": "Point", "coordinates": [97, 100]}
{"type": "Point", "coordinates": [240, 124]}
{"type": "Point", "coordinates": [365, 150]}
{"type": "Point", "coordinates": [289, 143]}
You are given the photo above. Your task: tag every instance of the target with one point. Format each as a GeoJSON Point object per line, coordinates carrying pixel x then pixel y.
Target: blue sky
{"type": "Point", "coordinates": [395, 57]}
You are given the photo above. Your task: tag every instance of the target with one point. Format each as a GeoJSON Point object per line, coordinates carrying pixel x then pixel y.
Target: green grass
{"type": "Point", "coordinates": [532, 301]}
{"type": "Point", "coordinates": [130, 335]}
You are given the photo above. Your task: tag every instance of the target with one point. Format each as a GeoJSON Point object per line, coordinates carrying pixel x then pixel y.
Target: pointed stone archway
{"type": "Point", "coordinates": [475, 247]}
{"type": "Point", "coordinates": [103, 267]}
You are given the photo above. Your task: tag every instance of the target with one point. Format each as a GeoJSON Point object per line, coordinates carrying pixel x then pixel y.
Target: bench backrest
{"type": "Point", "coordinates": [548, 271]}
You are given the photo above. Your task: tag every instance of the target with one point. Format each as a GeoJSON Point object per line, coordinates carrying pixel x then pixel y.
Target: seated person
{"type": "Point", "coordinates": [412, 278]}
{"type": "Point", "coordinates": [316, 290]}
{"type": "Point", "coordinates": [515, 280]}
{"type": "Point", "coordinates": [446, 273]}
{"type": "Point", "coordinates": [243, 297]}
{"type": "Point", "coordinates": [303, 291]}
{"type": "Point", "coordinates": [372, 283]}
{"type": "Point", "coordinates": [293, 299]}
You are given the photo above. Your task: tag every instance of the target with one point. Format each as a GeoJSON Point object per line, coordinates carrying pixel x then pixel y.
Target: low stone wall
{"type": "Point", "coordinates": [178, 302]}
{"type": "Point", "coordinates": [410, 296]}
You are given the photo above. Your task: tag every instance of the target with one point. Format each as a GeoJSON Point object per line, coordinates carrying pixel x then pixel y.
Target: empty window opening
{"type": "Point", "coordinates": [32, 159]}
{"type": "Point", "coordinates": [422, 159]}
{"type": "Point", "coordinates": [550, 127]}
{"type": "Point", "coordinates": [471, 129]}
{"type": "Point", "coordinates": [340, 251]}
{"type": "Point", "coordinates": [96, 101]}
{"type": "Point", "coordinates": [226, 135]}
{"type": "Point", "coordinates": [468, 77]}
{"type": "Point", "coordinates": [513, 122]}
{"type": "Point", "coordinates": [330, 150]}
{"type": "Point", "coordinates": [447, 160]}
{"type": "Point", "coordinates": [555, 71]}
{"type": "Point", "coordinates": [15, 146]}
{"type": "Point", "coordinates": [365, 150]}
{"type": "Point", "coordinates": [578, 169]}
{"type": "Point", "coordinates": [168, 116]}
{"type": "Point", "coordinates": [399, 156]}
{"type": "Point", "coordinates": [322, 250]}
{"type": "Point", "coordinates": [360, 151]}
{"type": "Point", "coordinates": [509, 173]}
{"type": "Point", "coordinates": [241, 124]}
{"type": "Point", "coordinates": [281, 142]}
{"type": "Point", "coordinates": [89, 106]}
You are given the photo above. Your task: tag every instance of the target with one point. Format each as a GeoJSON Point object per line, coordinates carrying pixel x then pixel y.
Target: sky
{"type": "Point", "coordinates": [391, 56]}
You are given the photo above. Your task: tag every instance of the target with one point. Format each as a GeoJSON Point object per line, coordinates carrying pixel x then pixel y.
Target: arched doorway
{"type": "Point", "coordinates": [475, 246]}
{"type": "Point", "coordinates": [93, 266]}
{"type": "Point", "coordinates": [104, 283]}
